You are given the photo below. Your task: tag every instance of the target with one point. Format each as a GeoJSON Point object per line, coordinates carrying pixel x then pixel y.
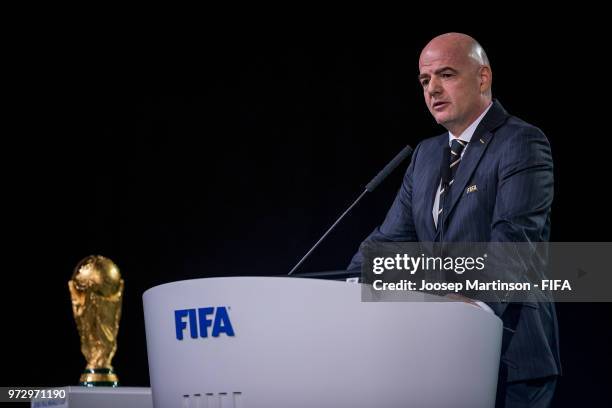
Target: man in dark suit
{"type": "Point", "coordinates": [501, 190]}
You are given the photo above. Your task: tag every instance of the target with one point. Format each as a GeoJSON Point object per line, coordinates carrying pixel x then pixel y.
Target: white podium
{"type": "Point", "coordinates": [291, 342]}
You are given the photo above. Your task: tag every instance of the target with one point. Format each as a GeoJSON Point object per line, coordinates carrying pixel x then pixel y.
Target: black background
{"type": "Point", "coordinates": [224, 156]}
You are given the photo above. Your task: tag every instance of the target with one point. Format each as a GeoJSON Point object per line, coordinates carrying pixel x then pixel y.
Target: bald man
{"type": "Point", "coordinates": [499, 189]}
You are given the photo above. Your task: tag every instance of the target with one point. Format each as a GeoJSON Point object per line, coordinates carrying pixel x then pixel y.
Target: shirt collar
{"type": "Point", "coordinates": [467, 134]}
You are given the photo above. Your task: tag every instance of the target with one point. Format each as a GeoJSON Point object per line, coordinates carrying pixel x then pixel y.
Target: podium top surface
{"type": "Point", "coordinates": [333, 291]}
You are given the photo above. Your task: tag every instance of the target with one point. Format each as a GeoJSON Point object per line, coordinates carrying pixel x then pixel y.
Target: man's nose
{"type": "Point", "coordinates": [434, 87]}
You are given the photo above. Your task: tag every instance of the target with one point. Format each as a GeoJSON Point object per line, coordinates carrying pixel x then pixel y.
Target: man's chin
{"type": "Point", "coordinates": [441, 119]}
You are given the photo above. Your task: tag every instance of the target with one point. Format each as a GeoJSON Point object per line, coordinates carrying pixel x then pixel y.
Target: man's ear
{"type": "Point", "coordinates": [486, 78]}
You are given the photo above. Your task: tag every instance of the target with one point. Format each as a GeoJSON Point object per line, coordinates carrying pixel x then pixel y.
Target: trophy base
{"type": "Point", "coordinates": [99, 377]}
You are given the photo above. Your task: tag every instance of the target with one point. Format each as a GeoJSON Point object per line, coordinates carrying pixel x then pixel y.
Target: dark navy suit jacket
{"type": "Point", "coordinates": [510, 162]}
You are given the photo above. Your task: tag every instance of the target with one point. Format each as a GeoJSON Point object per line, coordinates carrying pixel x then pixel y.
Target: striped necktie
{"type": "Point", "coordinates": [456, 149]}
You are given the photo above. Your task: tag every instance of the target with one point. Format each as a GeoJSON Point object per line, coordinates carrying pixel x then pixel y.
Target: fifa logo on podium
{"type": "Point", "coordinates": [199, 320]}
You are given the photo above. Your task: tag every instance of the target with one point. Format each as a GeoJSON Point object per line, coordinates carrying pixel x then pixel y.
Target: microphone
{"type": "Point", "coordinates": [401, 156]}
{"type": "Point", "coordinates": [370, 187]}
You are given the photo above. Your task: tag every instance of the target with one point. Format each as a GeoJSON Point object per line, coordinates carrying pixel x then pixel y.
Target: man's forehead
{"type": "Point", "coordinates": [433, 65]}
{"type": "Point", "coordinates": [432, 59]}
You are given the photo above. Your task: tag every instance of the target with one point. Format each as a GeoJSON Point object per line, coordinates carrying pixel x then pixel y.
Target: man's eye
{"type": "Point", "coordinates": [424, 82]}
{"type": "Point", "coordinates": [447, 75]}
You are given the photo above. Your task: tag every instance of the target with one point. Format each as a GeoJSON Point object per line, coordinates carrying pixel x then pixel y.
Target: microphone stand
{"type": "Point", "coordinates": [406, 151]}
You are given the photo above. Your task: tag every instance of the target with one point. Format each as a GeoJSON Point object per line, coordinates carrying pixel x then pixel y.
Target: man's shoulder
{"type": "Point", "coordinates": [515, 123]}
{"type": "Point", "coordinates": [515, 129]}
{"type": "Point", "coordinates": [508, 128]}
{"type": "Point", "coordinates": [519, 141]}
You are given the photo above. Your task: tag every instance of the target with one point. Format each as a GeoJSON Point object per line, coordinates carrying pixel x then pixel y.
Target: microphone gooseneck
{"type": "Point", "coordinates": [371, 186]}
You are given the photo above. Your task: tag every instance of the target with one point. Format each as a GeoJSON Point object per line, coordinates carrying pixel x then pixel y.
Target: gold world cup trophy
{"type": "Point", "coordinates": [96, 289]}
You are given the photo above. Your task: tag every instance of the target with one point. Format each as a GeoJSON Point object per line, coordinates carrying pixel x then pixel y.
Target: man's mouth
{"type": "Point", "coordinates": [440, 105]}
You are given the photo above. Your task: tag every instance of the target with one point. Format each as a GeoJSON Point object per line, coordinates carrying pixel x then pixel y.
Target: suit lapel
{"type": "Point", "coordinates": [476, 148]}
{"type": "Point", "coordinates": [432, 187]}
